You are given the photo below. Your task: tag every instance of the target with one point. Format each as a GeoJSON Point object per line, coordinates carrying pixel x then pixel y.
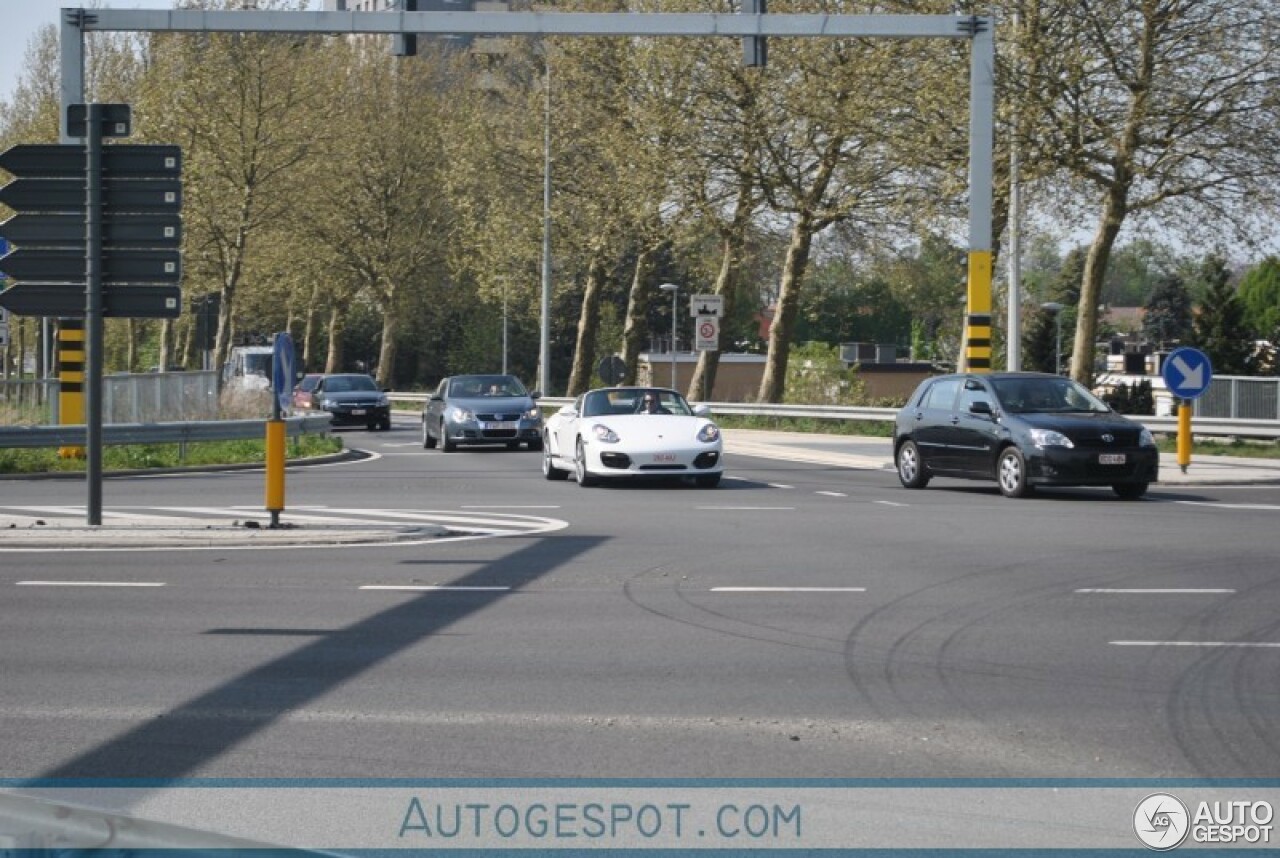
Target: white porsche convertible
{"type": "Point", "coordinates": [632, 432]}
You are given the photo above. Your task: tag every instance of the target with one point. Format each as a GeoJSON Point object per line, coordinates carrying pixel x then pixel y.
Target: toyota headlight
{"type": "Point", "coordinates": [383, 401]}
{"type": "Point", "coordinates": [709, 433]}
{"type": "Point", "coordinates": [1049, 438]}
{"type": "Point", "coordinates": [328, 404]}
{"type": "Point", "coordinates": [605, 434]}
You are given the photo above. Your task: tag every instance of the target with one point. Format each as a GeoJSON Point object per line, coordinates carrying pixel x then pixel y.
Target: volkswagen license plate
{"type": "Point", "coordinates": [1111, 459]}
{"type": "Point", "coordinates": [357, 412]}
{"type": "Point", "coordinates": [505, 424]}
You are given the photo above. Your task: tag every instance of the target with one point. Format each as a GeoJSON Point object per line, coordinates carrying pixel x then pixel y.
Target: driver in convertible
{"type": "Point", "coordinates": [649, 404]}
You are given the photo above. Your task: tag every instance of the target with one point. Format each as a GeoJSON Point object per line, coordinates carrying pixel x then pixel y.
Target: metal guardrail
{"type": "Point", "coordinates": [1207, 426]}
{"type": "Point", "coordinates": [73, 435]}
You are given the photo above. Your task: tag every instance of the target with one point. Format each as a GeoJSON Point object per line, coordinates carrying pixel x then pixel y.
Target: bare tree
{"type": "Point", "coordinates": [1166, 107]}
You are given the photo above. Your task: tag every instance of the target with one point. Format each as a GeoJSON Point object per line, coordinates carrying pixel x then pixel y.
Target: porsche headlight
{"type": "Point", "coordinates": [1049, 438]}
{"type": "Point", "coordinates": [1145, 438]}
{"type": "Point", "coordinates": [709, 433]}
{"type": "Point", "coordinates": [605, 434]}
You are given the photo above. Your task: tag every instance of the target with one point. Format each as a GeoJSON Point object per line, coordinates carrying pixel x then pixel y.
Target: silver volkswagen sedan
{"type": "Point", "coordinates": [482, 409]}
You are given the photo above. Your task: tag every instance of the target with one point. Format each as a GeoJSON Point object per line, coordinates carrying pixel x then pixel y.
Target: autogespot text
{"type": "Point", "coordinates": [428, 821]}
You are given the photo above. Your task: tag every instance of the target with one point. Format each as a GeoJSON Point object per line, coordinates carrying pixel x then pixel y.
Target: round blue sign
{"type": "Point", "coordinates": [1187, 372]}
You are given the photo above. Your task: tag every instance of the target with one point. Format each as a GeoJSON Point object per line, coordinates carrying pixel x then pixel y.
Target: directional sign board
{"type": "Point", "coordinates": [1187, 373]}
{"type": "Point", "coordinates": [68, 195]}
{"type": "Point", "coordinates": [67, 302]}
{"type": "Point", "coordinates": [136, 226]}
{"type": "Point", "coordinates": [62, 229]}
{"type": "Point", "coordinates": [67, 161]}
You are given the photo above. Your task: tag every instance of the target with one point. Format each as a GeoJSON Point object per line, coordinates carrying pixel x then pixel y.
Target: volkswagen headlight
{"type": "Point", "coordinates": [1048, 438]}
{"type": "Point", "coordinates": [1145, 438]}
{"type": "Point", "coordinates": [328, 404]}
{"type": "Point", "coordinates": [709, 433]}
{"type": "Point", "coordinates": [531, 414]}
{"type": "Point", "coordinates": [383, 401]}
{"type": "Point", "coordinates": [605, 434]}
{"type": "Point", "coordinates": [460, 415]}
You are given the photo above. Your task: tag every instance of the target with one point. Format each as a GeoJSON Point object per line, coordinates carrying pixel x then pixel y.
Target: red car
{"type": "Point", "coordinates": [302, 394]}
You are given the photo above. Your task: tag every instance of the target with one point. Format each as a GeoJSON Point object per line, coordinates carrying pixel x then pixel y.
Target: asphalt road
{"type": "Point", "coordinates": [799, 621]}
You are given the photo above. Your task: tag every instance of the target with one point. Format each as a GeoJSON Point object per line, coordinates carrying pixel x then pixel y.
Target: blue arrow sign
{"type": "Point", "coordinates": [1186, 372]}
{"type": "Point", "coordinates": [282, 374]}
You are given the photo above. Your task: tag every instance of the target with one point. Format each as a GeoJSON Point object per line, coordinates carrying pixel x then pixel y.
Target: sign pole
{"type": "Point", "coordinates": [1184, 434]}
{"type": "Point", "coordinates": [93, 328]}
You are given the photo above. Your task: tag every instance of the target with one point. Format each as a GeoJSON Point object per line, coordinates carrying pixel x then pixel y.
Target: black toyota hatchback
{"type": "Point", "coordinates": [1021, 429]}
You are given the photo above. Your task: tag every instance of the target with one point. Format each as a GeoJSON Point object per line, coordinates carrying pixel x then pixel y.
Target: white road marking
{"type": "Point", "coordinates": [889, 503]}
{"type": "Point", "coordinates": [512, 506]}
{"type": "Point", "coordinates": [1255, 506]}
{"type": "Point", "coordinates": [748, 508]}
{"type": "Point", "coordinates": [779, 486]}
{"type": "Point", "coordinates": [89, 583]}
{"type": "Point", "coordinates": [788, 589]}
{"type": "Point", "coordinates": [427, 588]}
{"type": "Point", "coordinates": [832, 494]}
{"type": "Point", "coordinates": [1185, 591]}
{"type": "Point", "coordinates": [1219, 644]}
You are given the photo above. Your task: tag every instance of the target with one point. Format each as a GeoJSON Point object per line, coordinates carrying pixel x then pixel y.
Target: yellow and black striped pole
{"type": "Point", "coordinates": [977, 320]}
{"type": "Point", "coordinates": [71, 379]}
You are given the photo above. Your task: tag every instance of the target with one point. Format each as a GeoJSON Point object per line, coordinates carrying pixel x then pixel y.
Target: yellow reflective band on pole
{"type": "Point", "coordinates": [1184, 435]}
{"type": "Point", "coordinates": [977, 323]}
{"type": "Point", "coordinates": [71, 380]}
{"type": "Point", "coordinates": [275, 469]}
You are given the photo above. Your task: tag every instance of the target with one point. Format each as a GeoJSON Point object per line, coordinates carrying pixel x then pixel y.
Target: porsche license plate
{"type": "Point", "coordinates": [1111, 459]}
{"type": "Point", "coordinates": [505, 424]}
{"type": "Point", "coordinates": [664, 458]}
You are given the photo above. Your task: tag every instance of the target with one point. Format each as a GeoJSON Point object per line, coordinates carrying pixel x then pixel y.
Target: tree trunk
{"type": "Point", "coordinates": [387, 349]}
{"type": "Point", "coordinates": [337, 324]}
{"type": "Point", "coordinates": [773, 384]}
{"type": "Point", "coordinates": [584, 353]}
{"type": "Point", "coordinates": [702, 386]}
{"type": "Point", "coordinates": [1095, 269]}
{"type": "Point", "coordinates": [638, 300]}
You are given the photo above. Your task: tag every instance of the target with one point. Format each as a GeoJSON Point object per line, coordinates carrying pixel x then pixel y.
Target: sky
{"type": "Point", "coordinates": [20, 19]}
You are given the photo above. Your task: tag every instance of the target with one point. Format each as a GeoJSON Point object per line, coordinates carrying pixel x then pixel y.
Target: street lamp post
{"type": "Point", "coordinates": [675, 292]}
{"type": "Point", "coordinates": [1056, 309]}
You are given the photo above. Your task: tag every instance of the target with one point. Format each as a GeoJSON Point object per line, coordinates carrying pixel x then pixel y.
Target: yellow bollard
{"type": "Point", "coordinates": [1184, 435]}
{"type": "Point", "coordinates": [275, 470]}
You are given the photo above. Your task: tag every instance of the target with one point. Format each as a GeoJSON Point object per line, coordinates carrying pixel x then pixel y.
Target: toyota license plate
{"type": "Point", "coordinates": [1111, 459]}
{"type": "Point", "coordinates": [505, 424]}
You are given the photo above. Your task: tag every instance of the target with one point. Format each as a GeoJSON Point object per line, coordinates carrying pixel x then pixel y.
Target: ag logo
{"type": "Point", "coordinates": [1161, 822]}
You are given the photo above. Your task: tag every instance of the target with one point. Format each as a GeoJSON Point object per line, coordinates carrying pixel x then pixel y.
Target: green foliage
{"type": "Point", "coordinates": [1136, 398]}
{"type": "Point", "coordinates": [816, 375]}
{"type": "Point", "coordinates": [1220, 329]}
{"type": "Point", "coordinates": [1260, 294]}
{"type": "Point", "coordinates": [1168, 321]}
{"type": "Point", "coordinates": [150, 456]}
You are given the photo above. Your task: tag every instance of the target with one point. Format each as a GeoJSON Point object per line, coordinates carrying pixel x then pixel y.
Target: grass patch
{"type": "Point", "coordinates": [128, 457]}
{"type": "Point", "coordinates": [1218, 447]}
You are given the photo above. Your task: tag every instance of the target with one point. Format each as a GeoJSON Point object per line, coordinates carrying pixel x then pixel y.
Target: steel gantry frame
{"type": "Point", "coordinates": [978, 30]}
